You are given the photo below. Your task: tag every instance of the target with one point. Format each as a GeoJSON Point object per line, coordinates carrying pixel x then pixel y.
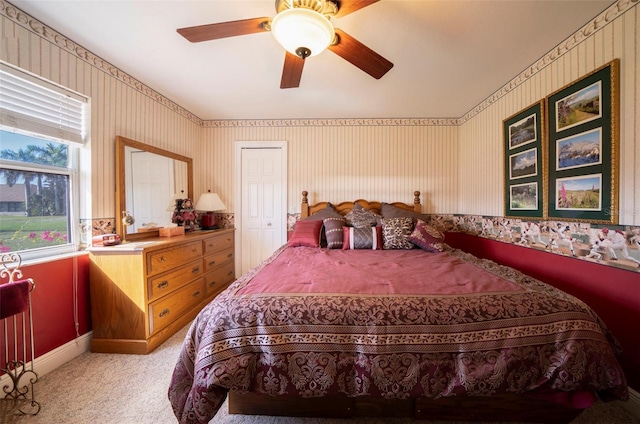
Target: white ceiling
{"type": "Point", "coordinates": [448, 55]}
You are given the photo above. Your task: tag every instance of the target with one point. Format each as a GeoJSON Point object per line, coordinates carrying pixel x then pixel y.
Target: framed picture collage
{"type": "Point", "coordinates": [561, 153]}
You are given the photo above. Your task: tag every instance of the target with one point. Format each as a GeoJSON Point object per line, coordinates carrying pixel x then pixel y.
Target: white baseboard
{"type": "Point", "coordinates": [633, 405]}
{"type": "Point", "coordinates": [51, 360]}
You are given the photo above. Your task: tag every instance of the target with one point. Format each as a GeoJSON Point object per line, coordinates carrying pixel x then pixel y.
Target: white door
{"type": "Point", "coordinates": [152, 177]}
{"type": "Point", "coordinates": [262, 208]}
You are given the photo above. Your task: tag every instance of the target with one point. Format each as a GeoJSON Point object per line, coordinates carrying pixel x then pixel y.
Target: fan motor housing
{"type": "Point", "coordinates": [325, 7]}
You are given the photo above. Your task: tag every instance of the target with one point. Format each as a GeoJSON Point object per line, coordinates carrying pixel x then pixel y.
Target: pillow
{"type": "Point", "coordinates": [333, 232]}
{"type": "Point", "coordinates": [362, 238]}
{"type": "Point", "coordinates": [396, 232]}
{"type": "Point", "coordinates": [390, 211]}
{"type": "Point", "coordinates": [360, 217]}
{"type": "Point", "coordinates": [427, 237]}
{"type": "Point", "coordinates": [306, 233]}
{"type": "Point", "coordinates": [327, 212]}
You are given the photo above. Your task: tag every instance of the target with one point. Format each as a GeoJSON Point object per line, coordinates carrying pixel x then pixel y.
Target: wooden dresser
{"type": "Point", "coordinates": [145, 291]}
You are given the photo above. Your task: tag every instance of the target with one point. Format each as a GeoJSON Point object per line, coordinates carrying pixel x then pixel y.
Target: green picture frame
{"type": "Point", "coordinates": [582, 134]}
{"type": "Point", "coordinates": [524, 163]}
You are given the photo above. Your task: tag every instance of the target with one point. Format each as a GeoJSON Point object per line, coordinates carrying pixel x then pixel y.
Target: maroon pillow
{"type": "Point", "coordinates": [362, 238]}
{"type": "Point", "coordinates": [427, 237]}
{"type": "Point", "coordinates": [306, 233]}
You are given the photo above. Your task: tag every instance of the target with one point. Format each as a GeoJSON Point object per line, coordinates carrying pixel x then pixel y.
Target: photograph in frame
{"type": "Point", "coordinates": [580, 193]}
{"type": "Point", "coordinates": [524, 197]}
{"type": "Point", "coordinates": [579, 107]}
{"type": "Point", "coordinates": [523, 132]}
{"type": "Point", "coordinates": [523, 164]}
{"type": "Point", "coordinates": [583, 149]}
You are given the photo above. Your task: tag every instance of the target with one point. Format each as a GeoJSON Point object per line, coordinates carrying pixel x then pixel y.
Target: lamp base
{"type": "Point", "coordinates": [209, 221]}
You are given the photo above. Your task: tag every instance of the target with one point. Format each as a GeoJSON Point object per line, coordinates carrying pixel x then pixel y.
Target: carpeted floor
{"type": "Point", "coordinates": [97, 388]}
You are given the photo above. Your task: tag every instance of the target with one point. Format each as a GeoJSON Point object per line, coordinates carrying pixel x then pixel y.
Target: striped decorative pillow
{"type": "Point", "coordinates": [362, 238]}
{"type": "Point", "coordinates": [306, 233]}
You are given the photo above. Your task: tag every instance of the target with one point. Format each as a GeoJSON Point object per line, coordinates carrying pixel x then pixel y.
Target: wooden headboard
{"type": "Point", "coordinates": [344, 207]}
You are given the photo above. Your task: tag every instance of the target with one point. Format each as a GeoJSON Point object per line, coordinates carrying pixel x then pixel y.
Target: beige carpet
{"type": "Point", "coordinates": [100, 388]}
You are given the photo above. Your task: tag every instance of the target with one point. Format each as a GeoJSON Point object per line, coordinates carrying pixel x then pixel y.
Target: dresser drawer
{"type": "Point", "coordinates": [164, 311]}
{"type": "Point", "coordinates": [165, 260]}
{"type": "Point", "coordinates": [218, 279]}
{"type": "Point", "coordinates": [217, 259]}
{"type": "Point", "coordinates": [217, 243]}
{"type": "Point", "coordinates": [166, 283]}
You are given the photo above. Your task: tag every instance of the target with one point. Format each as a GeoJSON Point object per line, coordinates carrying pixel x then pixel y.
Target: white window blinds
{"type": "Point", "coordinates": [34, 106]}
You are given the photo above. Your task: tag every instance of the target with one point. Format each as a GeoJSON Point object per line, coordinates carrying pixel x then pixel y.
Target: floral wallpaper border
{"type": "Point", "coordinates": [610, 245]}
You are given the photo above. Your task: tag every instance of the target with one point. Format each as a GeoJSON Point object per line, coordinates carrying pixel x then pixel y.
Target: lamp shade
{"type": "Point", "coordinates": [301, 28]}
{"type": "Point", "coordinates": [209, 202]}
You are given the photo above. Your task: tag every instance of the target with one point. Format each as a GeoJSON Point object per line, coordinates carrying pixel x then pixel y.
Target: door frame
{"type": "Point", "coordinates": [237, 189]}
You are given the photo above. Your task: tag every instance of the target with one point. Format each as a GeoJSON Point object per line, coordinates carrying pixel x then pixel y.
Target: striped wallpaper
{"type": "Point", "coordinates": [456, 164]}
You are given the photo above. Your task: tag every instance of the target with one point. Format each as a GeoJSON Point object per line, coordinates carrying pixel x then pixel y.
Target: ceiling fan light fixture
{"type": "Point", "coordinates": [303, 32]}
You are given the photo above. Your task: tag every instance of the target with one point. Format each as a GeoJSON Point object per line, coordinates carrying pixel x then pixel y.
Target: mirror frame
{"type": "Point", "coordinates": [121, 194]}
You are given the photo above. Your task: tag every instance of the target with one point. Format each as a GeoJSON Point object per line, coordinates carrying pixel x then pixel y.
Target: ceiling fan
{"type": "Point", "coordinates": [304, 29]}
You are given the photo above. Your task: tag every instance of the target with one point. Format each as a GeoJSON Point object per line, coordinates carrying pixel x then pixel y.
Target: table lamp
{"type": "Point", "coordinates": [207, 203]}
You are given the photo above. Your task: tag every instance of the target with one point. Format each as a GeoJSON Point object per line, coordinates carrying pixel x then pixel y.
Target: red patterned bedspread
{"type": "Point", "coordinates": [309, 322]}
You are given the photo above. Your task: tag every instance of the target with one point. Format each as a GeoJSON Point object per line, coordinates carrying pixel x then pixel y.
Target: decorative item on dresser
{"type": "Point", "coordinates": [143, 292]}
{"type": "Point", "coordinates": [209, 203]}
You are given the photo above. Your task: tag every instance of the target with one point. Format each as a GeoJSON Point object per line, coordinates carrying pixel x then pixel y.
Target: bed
{"type": "Point", "coordinates": [366, 311]}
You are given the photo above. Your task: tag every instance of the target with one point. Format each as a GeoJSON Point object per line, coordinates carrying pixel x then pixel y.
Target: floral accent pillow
{"type": "Point", "coordinates": [427, 237]}
{"type": "Point", "coordinates": [396, 231]}
{"type": "Point", "coordinates": [333, 232]}
{"type": "Point", "coordinates": [362, 238]}
{"type": "Point", "coordinates": [360, 217]}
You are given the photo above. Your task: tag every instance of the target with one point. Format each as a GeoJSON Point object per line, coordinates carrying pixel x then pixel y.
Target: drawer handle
{"type": "Point", "coordinates": [196, 294]}
{"type": "Point", "coordinates": [212, 262]}
{"type": "Point", "coordinates": [163, 313]}
{"type": "Point", "coordinates": [162, 259]}
{"type": "Point", "coordinates": [194, 249]}
{"type": "Point", "coordinates": [230, 255]}
{"type": "Point", "coordinates": [163, 284]}
{"type": "Point", "coordinates": [195, 270]}
{"type": "Point", "coordinates": [211, 284]}
{"type": "Point", "coordinates": [230, 273]}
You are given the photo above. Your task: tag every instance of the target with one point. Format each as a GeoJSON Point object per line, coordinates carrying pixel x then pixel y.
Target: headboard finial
{"type": "Point", "coordinates": [304, 206]}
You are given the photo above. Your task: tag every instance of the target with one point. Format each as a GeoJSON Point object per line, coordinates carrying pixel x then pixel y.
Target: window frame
{"type": "Point", "coordinates": [78, 163]}
{"type": "Point", "coordinates": [72, 172]}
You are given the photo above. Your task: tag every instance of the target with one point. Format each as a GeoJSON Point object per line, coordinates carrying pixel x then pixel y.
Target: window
{"type": "Point", "coordinates": [41, 135]}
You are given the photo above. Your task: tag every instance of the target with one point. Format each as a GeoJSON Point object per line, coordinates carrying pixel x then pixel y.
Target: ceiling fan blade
{"type": "Point", "coordinates": [292, 71]}
{"type": "Point", "coordinates": [360, 55]}
{"type": "Point", "coordinates": [348, 6]}
{"type": "Point", "coordinates": [223, 29]}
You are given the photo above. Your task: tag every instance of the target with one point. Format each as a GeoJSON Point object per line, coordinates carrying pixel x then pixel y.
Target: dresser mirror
{"type": "Point", "coordinates": [148, 180]}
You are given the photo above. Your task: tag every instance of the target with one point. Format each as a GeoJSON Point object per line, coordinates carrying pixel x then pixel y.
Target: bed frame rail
{"type": "Point", "coordinates": [502, 408]}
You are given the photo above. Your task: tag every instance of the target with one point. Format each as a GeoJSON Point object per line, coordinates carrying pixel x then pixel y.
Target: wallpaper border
{"type": "Point", "coordinates": [28, 22]}
{"type": "Point", "coordinates": [598, 23]}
